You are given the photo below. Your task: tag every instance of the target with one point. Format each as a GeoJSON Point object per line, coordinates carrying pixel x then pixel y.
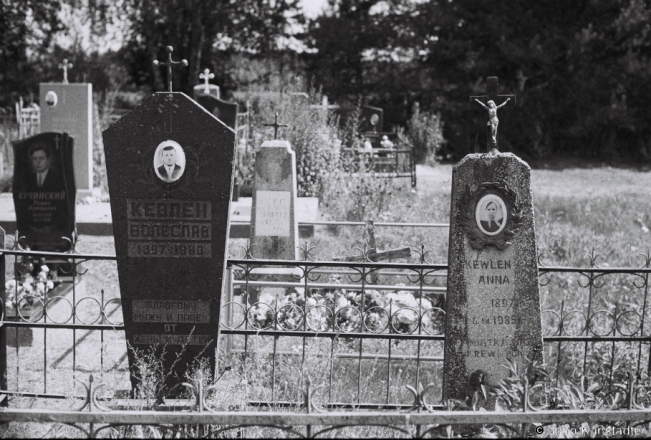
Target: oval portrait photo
{"type": "Point", "coordinates": [490, 214]}
{"type": "Point", "coordinates": [169, 161]}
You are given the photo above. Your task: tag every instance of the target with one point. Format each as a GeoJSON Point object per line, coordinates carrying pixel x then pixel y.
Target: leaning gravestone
{"type": "Point", "coordinates": [274, 228]}
{"type": "Point", "coordinates": [493, 301]}
{"type": "Point", "coordinates": [169, 166]}
{"type": "Point", "coordinates": [44, 191]}
{"type": "Point", "coordinates": [69, 108]}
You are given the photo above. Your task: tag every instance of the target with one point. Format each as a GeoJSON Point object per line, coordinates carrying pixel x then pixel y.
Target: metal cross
{"type": "Point", "coordinates": [491, 95]}
{"type": "Point", "coordinates": [169, 63]}
{"type": "Point", "coordinates": [276, 125]}
{"type": "Point", "coordinates": [206, 76]}
{"type": "Point", "coordinates": [65, 65]}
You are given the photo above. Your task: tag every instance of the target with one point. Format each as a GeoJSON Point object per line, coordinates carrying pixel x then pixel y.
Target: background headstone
{"type": "Point", "coordinates": [274, 228]}
{"type": "Point", "coordinates": [200, 90]}
{"type": "Point", "coordinates": [223, 110]}
{"type": "Point", "coordinates": [171, 230]}
{"type": "Point", "coordinates": [69, 108]}
{"type": "Point", "coordinates": [493, 300]}
{"type": "Point", "coordinates": [44, 191]}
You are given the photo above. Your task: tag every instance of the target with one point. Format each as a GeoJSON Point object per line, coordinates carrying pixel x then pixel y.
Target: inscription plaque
{"type": "Point", "coordinates": [273, 213]}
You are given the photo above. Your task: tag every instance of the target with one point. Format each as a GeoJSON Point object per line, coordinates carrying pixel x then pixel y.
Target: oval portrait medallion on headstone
{"type": "Point", "coordinates": [490, 214]}
{"type": "Point", "coordinates": [169, 161]}
{"type": "Point", "coordinates": [51, 98]}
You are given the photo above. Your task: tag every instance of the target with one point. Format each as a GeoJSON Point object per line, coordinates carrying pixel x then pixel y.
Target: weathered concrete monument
{"type": "Point", "coordinates": [493, 300]}
{"type": "Point", "coordinates": [169, 164]}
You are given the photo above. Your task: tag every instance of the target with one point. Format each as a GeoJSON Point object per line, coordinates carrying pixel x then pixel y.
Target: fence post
{"type": "Point", "coordinates": [4, 401]}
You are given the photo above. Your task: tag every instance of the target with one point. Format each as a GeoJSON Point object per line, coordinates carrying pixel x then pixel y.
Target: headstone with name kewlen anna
{"type": "Point", "coordinates": [274, 228]}
{"type": "Point", "coordinates": [44, 191]}
{"type": "Point", "coordinates": [169, 167]}
{"type": "Point", "coordinates": [493, 300]}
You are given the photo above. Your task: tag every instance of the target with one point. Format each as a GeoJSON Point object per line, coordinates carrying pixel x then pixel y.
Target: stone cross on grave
{"type": "Point", "coordinates": [491, 105]}
{"type": "Point", "coordinates": [169, 63]}
{"type": "Point", "coordinates": [65, 65]}
{"type": "Point", "coordinates": [276, 125]}
{"type": "Point", "coordinates": [206, 76]}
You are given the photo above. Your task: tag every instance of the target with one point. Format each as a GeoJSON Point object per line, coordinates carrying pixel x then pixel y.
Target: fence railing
{"type": "Point", "coordinates": [383, 162]}
{"type": "Point", "coordinates": [367, 328]}
{"type": "Point", "coordinates": [98, 417]}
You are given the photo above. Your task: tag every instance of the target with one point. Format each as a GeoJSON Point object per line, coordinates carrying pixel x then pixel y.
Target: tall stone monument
{"type": "Point", "coordinates": [493, 300]}
{"type": "Point", "coordinates": [274, 228]}
{"type": "Point", "coordinates": [169, 167]}
{"type": "Point", "coordinates": [69, 108]}
{"type": "Point", "coordinates": [44, 191]}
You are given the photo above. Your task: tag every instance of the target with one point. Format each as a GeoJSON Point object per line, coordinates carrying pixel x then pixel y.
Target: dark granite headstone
{"type": "Point", "coordinates": [223, 110]}
{"type": "Point", "coordinates": [44, 191]}
{"type": "Point", "coordinates": [169, 167]}
{"type": "Point", "coordinates": [493, 300]}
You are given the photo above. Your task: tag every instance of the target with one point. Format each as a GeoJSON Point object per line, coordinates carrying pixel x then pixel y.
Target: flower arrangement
{"type": "Point", "coordinates": [28, 287]}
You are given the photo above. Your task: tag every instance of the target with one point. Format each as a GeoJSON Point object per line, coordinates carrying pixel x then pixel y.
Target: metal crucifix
{"type": "Point", "coordinates": [206, 76]}
{"type": "Point", "coordinates": [492, 107]}
{"type": "Point", "coordinates": [276, 125]}
{"type": "Point", "coordinates": [169, 63]}
{"type": "Point", "coordinates": [65, 65]}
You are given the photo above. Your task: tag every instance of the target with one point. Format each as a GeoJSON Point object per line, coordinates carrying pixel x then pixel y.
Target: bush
{"type": "Point", "coordinates": [425, 132]}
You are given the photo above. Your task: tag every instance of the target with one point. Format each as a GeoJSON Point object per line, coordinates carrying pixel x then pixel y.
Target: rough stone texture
{"type": "Point", "coordinates": [274, 228]}
{"type": "Point", "coordinates": [45, 214]}
{"type": "Point", "coordinates": [475, 339]}
{"type": "Point", "coordinates": [73, 114]}
{"type": "Point", "coordinates": [170, 238]}
{"type": "Point", "coordinates": [223, 110]}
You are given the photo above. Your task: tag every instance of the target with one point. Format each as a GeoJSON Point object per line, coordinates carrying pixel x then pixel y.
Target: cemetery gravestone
{"type": "Point", "coordinates": [44, 191]}
{"type": "Point", "coordinates": [169, 166]}
{"type": "Point", "coordinates": [68, 108]}
{"type": "Point", "coordinates": [274, 228]}
{"type": "Point", "coordinates": [206, 88]}
{"type": "Point", "coordinates": [223, 110]}
{"type": "Point", "coordinates": [493, 300]}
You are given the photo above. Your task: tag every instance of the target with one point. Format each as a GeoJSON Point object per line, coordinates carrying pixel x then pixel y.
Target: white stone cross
{"type": "Point", "coordinates": [206, 76]}
{"type": "Point", "coordinates": [65, 65]}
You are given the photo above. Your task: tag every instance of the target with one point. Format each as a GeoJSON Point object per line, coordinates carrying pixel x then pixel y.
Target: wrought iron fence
{"type": "Point", "coordinates": [383, 162]}
{"type": "Point", "coordinates": [198, 417]}
{"type": "Point", "coordinates": [363, 330]}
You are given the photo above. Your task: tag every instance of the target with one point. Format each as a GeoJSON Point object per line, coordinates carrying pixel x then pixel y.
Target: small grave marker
{"type": "Point", "coordinates": [169, 167]}
{"type": "Point", "coordinates": [493, 300]}
{"type": "Point", "coordinates": [44, 191]}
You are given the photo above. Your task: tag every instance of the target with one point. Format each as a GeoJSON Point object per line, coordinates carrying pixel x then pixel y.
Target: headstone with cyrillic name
{"type": "Point", "coordinates": [169, 167]}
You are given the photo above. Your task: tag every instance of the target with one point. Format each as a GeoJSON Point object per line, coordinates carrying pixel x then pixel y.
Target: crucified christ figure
{"type": "Point", "coordinates": [492, 116]}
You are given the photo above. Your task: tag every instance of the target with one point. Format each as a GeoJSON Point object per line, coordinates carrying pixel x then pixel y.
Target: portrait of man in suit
{"type": "Point", "coordinates": [490, 214]}
{"type": "Point", "coordinates": [169, 161]}
{"type": "Point", "coordinates": [44, 177]}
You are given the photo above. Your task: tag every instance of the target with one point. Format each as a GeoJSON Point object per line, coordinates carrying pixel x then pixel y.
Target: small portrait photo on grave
{"type": "Point", "coordinates": [169, 161]}
{"type": "Point", "coordinates": [490, 214]}
{"type": "Point", "coordinates": [44, 170]}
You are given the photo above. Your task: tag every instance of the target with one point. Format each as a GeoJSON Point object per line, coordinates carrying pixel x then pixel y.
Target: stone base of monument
{"type": "Point", "coordinates": [59, 309]}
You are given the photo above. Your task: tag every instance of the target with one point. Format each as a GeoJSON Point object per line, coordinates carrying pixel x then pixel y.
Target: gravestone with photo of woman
{"type": "Point", "coordinates": [493, 299]}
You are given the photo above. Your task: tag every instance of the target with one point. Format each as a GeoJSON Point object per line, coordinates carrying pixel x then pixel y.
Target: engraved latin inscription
{"type": "Point", "coordinates": [272, 213]}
